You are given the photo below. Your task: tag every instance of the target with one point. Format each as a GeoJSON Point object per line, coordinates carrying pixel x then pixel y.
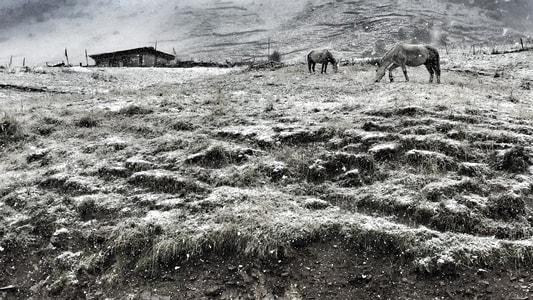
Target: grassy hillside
{"type": "Point", "coordinates": [355, 28]}
{"type": "Point", "coordinates": [191, 183]}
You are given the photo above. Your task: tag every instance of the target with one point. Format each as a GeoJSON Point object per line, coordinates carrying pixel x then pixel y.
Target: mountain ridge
{"type": "Point", "coordinates": [231, 30]}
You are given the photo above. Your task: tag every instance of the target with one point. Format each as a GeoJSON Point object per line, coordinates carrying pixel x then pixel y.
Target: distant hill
{"type": "Point", "coordinates": [219, 30]}
{"type": "Point", "coordinates": [356, 28]}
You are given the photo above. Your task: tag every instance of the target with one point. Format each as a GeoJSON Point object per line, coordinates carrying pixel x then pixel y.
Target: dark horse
{"type": "Point", "coordinates": [402, 55]}
{"type": "Point", "coordinates": [322, 57]}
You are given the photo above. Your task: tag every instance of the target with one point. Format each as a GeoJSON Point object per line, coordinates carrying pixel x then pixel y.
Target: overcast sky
{"type": "Point", "coordinates": [40, 30]}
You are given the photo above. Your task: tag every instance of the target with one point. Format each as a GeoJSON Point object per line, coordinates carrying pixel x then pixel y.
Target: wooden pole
{"type": "Point", "coordinates": [10, 62]}
{"type": "Point", "coordinates": [24, 62]}
{"type": "Point", "coordinates": [175, 55]}
{"type": "Point", "coordinates": [66, 55]}
{"type": "Point", "coordinates": [522, 43]}
{"type": "Point", "coordinates": [86, 58]}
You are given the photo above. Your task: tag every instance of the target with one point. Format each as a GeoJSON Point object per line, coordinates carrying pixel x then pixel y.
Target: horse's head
{"type": "Point", "coordinates": [336, 66]}
{"type": "Point", "coordinates": [380, 72]}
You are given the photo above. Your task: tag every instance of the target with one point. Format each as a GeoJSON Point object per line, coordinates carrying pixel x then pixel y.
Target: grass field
{"type": "Point", "coordinates": [237, 184]}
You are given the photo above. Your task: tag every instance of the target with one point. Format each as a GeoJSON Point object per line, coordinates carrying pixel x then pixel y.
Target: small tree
{"type": "Point", "coordinates": [275, 56]}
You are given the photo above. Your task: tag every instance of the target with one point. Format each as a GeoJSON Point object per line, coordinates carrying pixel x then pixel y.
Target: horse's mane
{"type": "Point", "coordinates": [389, 52]}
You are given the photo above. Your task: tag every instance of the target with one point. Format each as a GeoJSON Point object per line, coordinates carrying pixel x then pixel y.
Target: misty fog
{"type": "Point", "coordinates": [39, 30]}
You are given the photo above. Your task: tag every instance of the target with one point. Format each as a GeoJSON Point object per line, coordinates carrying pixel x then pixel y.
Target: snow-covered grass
{"type": "Point", "coordinates": [153, 167]}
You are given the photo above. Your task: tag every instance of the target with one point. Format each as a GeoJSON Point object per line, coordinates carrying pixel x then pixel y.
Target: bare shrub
{"type": "Point", "coordinates": [10, 129]}
{"type": "Point", "coordinates": [87, 121]}
{"type": "Point", "coordinates": [275, 56]}
{"type": "Point", "coordinates": [131, 110]}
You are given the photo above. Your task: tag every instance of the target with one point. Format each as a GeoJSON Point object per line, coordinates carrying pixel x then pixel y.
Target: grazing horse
{"type": "Point", "coordinates": [322, 57]}
{"type": "Point", "coordinates": [402, 55]}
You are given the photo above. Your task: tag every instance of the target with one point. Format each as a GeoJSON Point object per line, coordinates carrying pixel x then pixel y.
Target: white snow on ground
{"type": "Point", "coordinates": [103, 80]}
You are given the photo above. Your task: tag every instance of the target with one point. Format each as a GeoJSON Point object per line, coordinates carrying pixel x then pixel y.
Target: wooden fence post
{"type": "Point", "coordinates": [66, 55]}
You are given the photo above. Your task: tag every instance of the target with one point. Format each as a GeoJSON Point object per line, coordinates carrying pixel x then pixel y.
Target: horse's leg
{"type": "Point", "coordinates": [430, 70]}
{"type": "Point", "coordinates": [404, 69]}
{"type": "Point", "coordinates": [392, 67]}
{"type": "Point", "coordinates": [314, 64]}
{"type": "Point", "coordinates": [436, 66]}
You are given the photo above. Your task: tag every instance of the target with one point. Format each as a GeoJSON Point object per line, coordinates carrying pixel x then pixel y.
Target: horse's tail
{"type": "Point", "coordinates": [434, 58]}
{"type": "Point", "coordinates": [433, 53]}
{"type": "Point", "coordinates": [309, 60]}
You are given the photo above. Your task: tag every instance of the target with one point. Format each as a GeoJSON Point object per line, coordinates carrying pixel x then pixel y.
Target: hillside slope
{"type": "Point", "coordinates": [152, 183]}
{"type": "Point", "coordinates": [219, 30]}
{"type": "Point", "coordinates": [357, 28]}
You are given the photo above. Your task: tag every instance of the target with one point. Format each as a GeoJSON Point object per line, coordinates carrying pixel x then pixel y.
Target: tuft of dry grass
{"type": "Point", "coordinates": [165, 181]}
{"type": "Point", "coordinates": [430, 161]}
{"type": "Point", "coordinates": [130, 238]}
{"type": "Point", "coordinates": [132, 109]}
{"type": "Point", "coordinates": [507, 206]}
{"type": "Point", "coordinates": [513, 160]}
{"type": "Point", "coordinates": [87, 121]}
{"type": "Point", "coordinates": [10, 129]}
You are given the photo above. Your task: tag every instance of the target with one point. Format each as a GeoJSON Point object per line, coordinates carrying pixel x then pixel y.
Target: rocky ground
{"type": "Point", "coordinates": [264, 184]}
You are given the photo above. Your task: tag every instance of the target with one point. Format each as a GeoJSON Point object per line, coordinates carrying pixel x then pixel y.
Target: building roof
{"type": "Point", "coordinates": [142, 50]}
